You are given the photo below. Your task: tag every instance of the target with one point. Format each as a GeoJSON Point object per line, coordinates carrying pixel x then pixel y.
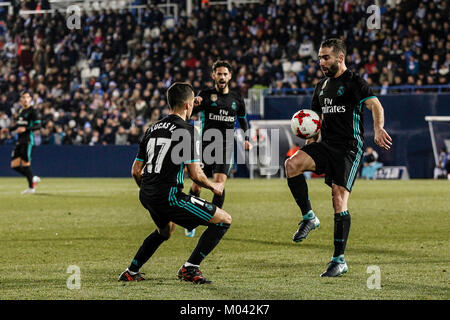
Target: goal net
{"type": "Point", "coordinates": [439, 127]}
{"type": "Point", "coordinates": [272, 140]}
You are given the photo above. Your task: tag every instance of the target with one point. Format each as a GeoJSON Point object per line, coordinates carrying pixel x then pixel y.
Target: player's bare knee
{"type": "Point", "coordinates": [220, 178]}
{"type": "Point", "coordinates": [196, 188]}
{"type": "Point", "coordinates": [227, 219]}
{"type": "Point", "coordinates": [15, 163]}
{"type": "Point", "coordinates": [292, 168]}
{"type": "Point", "coordinates": [223, 217]}
{"type": "Point", "coordinates": [339, 203]}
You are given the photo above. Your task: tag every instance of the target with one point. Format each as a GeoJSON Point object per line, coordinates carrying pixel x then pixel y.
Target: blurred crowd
{"type": "Point", "coordinates": [105, 82]}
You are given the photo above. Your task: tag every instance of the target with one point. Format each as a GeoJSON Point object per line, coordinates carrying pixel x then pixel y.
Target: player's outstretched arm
{"type": "Point", "coordinates": [136, 171]}
{"type": "Point", "coordinates": [381, 137]}
{"type": "Point", "coordinates": [198, 176]}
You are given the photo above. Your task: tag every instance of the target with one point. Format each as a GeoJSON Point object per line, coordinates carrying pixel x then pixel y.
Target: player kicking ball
{"type": "Point", "coordinates": [339, 99]}
{"type": "Point", "coordinates": [160, 177]}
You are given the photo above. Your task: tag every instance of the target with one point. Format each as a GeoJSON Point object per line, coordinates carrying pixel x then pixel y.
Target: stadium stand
{"type": "Point", "coordinates": [105, 82]}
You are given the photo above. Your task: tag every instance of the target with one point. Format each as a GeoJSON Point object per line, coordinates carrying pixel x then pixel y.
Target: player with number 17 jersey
{"type": "Point", "coordinates": [165, 149]}
{"type": "Point", "coordinates": [164, 169]}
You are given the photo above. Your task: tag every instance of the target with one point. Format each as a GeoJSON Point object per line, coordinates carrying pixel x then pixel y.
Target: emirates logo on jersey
{"type": "Point", "coordinates": [329, 107]}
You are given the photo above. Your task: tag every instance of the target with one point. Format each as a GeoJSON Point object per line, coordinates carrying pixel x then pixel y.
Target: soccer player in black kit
{"type": "Point", "coordinates": [26, 122]}
{"type": "Point", "coordinates": [159, 172]}
{"type": "Point", "coordinates": [219, 107]}
{"type": "Point", "coordinates": [339, 98]}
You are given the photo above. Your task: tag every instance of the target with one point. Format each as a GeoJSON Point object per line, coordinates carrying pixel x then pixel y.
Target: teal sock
{"type": "Point", "coordinates": [338, 259]}
{"type": "Point", "coordinates": [310, 215]}
{"type": "Point", "coordinates": [342, 221]}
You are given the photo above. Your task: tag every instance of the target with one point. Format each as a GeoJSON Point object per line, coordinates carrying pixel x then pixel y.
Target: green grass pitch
{"type": "Point", "coordinates": [402, 227]}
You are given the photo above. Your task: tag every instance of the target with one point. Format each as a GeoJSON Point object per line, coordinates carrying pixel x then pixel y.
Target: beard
{"type": "Point", "coordinates": [331, 71]}
{"type": "Point", "coordinates": [221, 85]}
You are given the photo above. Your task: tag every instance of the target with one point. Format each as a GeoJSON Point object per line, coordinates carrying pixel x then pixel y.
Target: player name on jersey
{"type": "Point", "coordinates": [163, 125]}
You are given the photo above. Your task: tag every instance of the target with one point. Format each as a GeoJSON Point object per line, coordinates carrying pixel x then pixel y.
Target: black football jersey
{"type": "Point", "coordinates": [220, 111]}
{"type": "Point", "coordinates": [165, 148]}
{"type": "Point", "coordinates": [29, 118]}
{"type": "Point", "coordinates": [340, 101]}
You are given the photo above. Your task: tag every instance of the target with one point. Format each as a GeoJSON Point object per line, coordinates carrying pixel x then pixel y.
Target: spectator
{"type": "Point", "coordinates": [121, 136]}
{"type": "Point", "coordinates": [108, 136]}
{"type": "Point", "coordinates": [131, 61]}
{"type": "Point", "coordinates": [370, 164]}
{"type": "Point", "coordinates": [440, 170]}
{"type": "Point", "coordinates": [413, 66]}
{"type": "Point", "coordinates": [133, 136]}
{"type": "Point", "coordinates": [95, 138]}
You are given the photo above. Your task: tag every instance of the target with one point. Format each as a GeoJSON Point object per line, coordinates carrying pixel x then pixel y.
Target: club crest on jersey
{"type": "Point", "coordinates": [234, 106]}
{"type": "Point", "coordinates": [340, 91]}
{"type": "Point", "coordinates": [213, 97]}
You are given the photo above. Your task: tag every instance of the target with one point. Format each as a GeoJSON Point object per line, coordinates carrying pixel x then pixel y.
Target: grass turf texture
{"type": "Point", "coordinates": [98, 224]}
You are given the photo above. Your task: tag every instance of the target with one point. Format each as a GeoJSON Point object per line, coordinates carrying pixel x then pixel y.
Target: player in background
{"type": "Point", "coordinates": [219, 106]}
{"type": "Point", "coordinates": [26, 122]}
{"type": "Point", "coordinates": [339, 98]}
{"type": "Point", "coordinates": [160, 177]}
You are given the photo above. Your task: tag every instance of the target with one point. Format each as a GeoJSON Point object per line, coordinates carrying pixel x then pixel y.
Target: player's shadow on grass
{"type": "Point", "coordinates": [265, 242]}
{"type": "Point", "coordinates": [61, 239]}
{"type": "Point", "coordinates": [311, 245]}
{"type": "Point", "coordinates": [65, 195]}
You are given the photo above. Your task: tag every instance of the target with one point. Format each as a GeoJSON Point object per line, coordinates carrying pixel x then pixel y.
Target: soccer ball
{"type": "Point", "coordinates": [305, 123]}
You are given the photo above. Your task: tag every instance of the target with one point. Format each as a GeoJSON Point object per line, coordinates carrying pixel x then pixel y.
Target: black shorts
{"type": "Point", "coordinates": [182, 209]}
{"type": "Point", "coordinates": [339, 163]}
{"type": "Point", "coordinates": [223, 166]}
{"type": "Point", "coordinates": [22, 151]}
{"type": "Point", "coordinates": [210, 169]}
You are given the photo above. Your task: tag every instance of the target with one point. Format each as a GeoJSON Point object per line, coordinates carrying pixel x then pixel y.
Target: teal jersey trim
{"type": "Point", "coordinates": [190, 161]}
{"type": "Point", "coordinates": [171, 195]}
{"type": "Point", "coordinates": [361, 102]}
{"type": "Point", "coordinates": [180, 175]}
{"type": "Point", "coordinates": [200, 213]}
{"type": "Point", "coordinates": [30, 144]}
{"type": "Point", "coordinates": [186, 205]}
{"type": "Point", "coordinates": [357, 135]}
{"type": "Point", "coordinates": [202, 119]}
{"type": "Point", "coordinates": [29, 149]}
{"type": "Point", "coordinates": [243, 117]}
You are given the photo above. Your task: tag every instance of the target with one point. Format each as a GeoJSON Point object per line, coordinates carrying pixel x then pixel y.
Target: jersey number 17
{"type": "Point", "coordinates": [165, 146]}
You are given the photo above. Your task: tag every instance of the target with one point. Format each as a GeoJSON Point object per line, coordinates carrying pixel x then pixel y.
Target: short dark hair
{"type": "Point", "coordinates": [337, 44]}
{"type": "Point", "coordinates": [178, 93]}
{"type": "Point", "coordinates": [26, 91]}
{"type": "Point", "coordinates": [222, 63]}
